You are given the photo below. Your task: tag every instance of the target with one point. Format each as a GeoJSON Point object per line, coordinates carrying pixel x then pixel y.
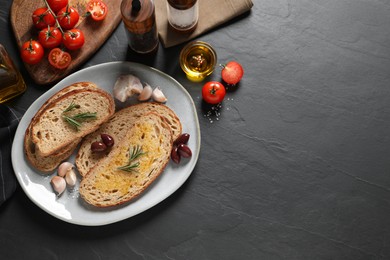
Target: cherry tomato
{"type": "Point", "coordinates": [57, 5]}
{"type": "Point", "coordinates": [59, 59]}
{"type": "Point", "coordinates": [232, 72]}
{"type": "Point", "coordinates": [97, 9]}
{"type": "Point", "coordinates": [31, 52]}
{"type": "Point", "coordinates": [43, 18]}
{"type": "Point", "coordinates": [213, 92]}
{"type": "Point", "coordinates": [50, 37]}
{"type": "Point", "coordinates": [73, 39]}
{"type": "Point", "coordinates": [68, 17]}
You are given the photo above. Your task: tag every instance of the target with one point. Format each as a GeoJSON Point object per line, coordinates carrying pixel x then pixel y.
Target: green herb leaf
{"type": "Point", "coordinates": [75, 120]}
{"type": "Point", "coordinates": [129, 168]}
{"type": "Point", "coordinates": [83, 116]}
{"type": "Point", "coordinates": [71, 107]}
{"type": "Point", "coordinates": [72, 122]}
{"type": "Point", "coordinates": [133, 155]}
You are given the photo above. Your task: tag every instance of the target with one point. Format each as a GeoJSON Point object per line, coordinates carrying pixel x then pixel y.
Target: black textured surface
{"type": "Point", "coordinates": [295, 164]}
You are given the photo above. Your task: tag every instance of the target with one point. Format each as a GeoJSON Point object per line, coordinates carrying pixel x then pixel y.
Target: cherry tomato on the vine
{"type": "Point", "coordinates": [97, 9]}
{"type": "Point", "coordinates": [232, 72]}
{"type": "Point", "coordinates": [50, 37]}
{"type": "Point", "coordinates": [73, 39]}
{"type": "Point", "coordinates": [59, 59]}
{"type": "Point", "coordinates": [31, 52]}
{"type": "Point", "coordinates": [68, 17]}
{"type": "Point", "coordinates": [213, 92]}
{"type": "Point", "coordinates": [57, 5]}
{"type": "Point", "coordinates": [43, 18]}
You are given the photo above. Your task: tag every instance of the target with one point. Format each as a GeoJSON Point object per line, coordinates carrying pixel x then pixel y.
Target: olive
{"type": "Point", "coordinates": [98, 147]}
{"type": "Point", "coordinates": [183, 139]}
{"type": "Point", "coordinates": [175, 155]}
{"type": "Point", "coordinates": [184, 151]}
{"type": "Point", "coordinates": [107, 140]}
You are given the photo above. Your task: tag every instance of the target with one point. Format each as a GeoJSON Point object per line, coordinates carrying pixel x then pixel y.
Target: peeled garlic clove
{"type": "Point", "coordinates": [158, 95]}
{"type": "Point", "coordinates": [71, 178]}
{"type": "Point", "coordinates": [59, 184]}
{"type": "Point", "coordinates": [146, 93]}
{"type": "Point", "coordinates": [64, 168]}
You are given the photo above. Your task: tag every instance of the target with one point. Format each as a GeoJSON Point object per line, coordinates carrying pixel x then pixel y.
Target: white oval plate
{"type": "Point", "coordinates": [69, 206]}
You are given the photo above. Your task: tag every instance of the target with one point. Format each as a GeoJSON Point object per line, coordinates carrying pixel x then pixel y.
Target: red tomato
{"type": "Point", "coordinates": [31, 52]}
{"type": "Point", "coordinates": [73, 39]}
{"type": "Point", "coordinates": [213, 92]}
{"type": "Point", "coordinates": [232, 72]}
{"type": "Point", "coordinates": [97, 9]}
{"type": "Point", "coordinates": [43, 18]}
{"type": "Point", "coordinates": [59, 59]}
{"type": "Point", "coordinates": [68, 17]}
{"type": "Point", "coordinates": [50, 37]}
{"type": "Point", "coordinates": [57, 5]}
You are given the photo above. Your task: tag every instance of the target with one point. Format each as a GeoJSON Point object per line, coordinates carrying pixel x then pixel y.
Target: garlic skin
{"type": "Point", "coordinates": [120, 89]}
{"type": "Point", "coordinates": [146, 93]}
{"type": "Point", "coordinates": [71, 178]}
{"type": "Point", "coordinates": [158, 95]}
{"type": "Point", "coordinates": [59, 184]}
{"type": "Point", "coordinates": [134, 85]}
{"type": "Point", "coordinates": [64, 168]}
{"type": "Point", "coordinates": [126, 86]}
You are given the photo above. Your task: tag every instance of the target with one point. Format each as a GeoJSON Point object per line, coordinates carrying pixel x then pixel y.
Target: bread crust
{"type": "Point", "coordinates": [106, 186]}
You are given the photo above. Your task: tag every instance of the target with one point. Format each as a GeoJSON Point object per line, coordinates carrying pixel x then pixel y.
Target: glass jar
{"type": "Point", "coordinates": [140, 22]}
{"type": "Point", "coordinates": [11, 81]}
{"type": "Point", "coordinates": [183, 15]}
{"type": "Point", "coordinates": [198, 60]}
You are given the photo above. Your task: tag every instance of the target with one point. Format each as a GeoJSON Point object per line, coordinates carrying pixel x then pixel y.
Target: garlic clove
{"type": "Point", "coordinates": [158, 95]}
{"type": "Point", "coordinates": [146, 93]}
{"type": "Point", "coordinates": [59, 184]}
{"type": "Point", "coordinates": [64, 168]}
{"type": "Point", "coordinates": [71, 178]}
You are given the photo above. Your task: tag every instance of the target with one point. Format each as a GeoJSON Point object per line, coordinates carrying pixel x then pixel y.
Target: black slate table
{"type": "Point", "coordinates": [295, 164]}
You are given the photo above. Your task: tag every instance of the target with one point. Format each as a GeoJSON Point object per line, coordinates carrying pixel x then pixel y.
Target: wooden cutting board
{"type": "Point", "coordinates": [95, 33]}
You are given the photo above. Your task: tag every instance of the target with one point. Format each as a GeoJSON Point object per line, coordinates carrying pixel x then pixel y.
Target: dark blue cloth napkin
{"type": "Point", "coordinates": [9, 120]}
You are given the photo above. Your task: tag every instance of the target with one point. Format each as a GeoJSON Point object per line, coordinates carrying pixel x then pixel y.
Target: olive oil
{"type": "Point", "coordinates": [198, 60]}
{"type": "Point", "coordinates": [11, 81]}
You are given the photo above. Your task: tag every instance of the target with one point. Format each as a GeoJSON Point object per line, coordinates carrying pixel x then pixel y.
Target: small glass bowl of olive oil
{"type": "Point", "coordinates": [198, 60]}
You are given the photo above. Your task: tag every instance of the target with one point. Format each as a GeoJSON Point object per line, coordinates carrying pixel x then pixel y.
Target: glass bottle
{"type": "Point", "coordinates": [183, 15]}
{"type": "Point", "coordinates": [140, 22]}
{"type": "Point", "coordinates": [11, 81]}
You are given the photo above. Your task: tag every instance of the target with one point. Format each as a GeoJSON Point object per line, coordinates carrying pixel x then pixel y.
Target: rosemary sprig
{"type": "Point", "coordinates": [71, 107]}
{"type": "Point", "coordinates": [134, 154]}
{"type": "Point", "coordinates": [75, 120]}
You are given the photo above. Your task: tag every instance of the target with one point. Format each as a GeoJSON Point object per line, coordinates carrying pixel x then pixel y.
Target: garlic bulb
{"type": "Point", "coordinates": [125, 86]}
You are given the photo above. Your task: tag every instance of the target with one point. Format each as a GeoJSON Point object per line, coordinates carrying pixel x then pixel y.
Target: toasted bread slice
{"type": "Point", "coordinates": [106, 185]}
{"type": "Point", "coordinates": [117, 127]}
{"type": "Point", "coordinates": [51, 133]}
{"type": "Point", "coordinates": [47, 164]}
